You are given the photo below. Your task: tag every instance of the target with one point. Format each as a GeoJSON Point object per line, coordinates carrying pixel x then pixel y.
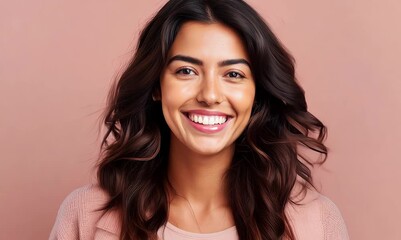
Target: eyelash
{"type": "Point", "coordinates": [180, 71]}
{"type": "Point", "coordinates": [239, 75]}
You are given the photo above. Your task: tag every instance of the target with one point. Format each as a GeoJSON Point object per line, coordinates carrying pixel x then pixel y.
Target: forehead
{"type": "Point", "coordinates": [208, 41]}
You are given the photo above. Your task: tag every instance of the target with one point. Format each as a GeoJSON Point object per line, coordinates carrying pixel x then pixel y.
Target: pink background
{"type": "Point", "coordinates": [58, 58]}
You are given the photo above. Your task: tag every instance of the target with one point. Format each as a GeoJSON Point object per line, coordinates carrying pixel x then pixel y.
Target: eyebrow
{"type": "Point", "coordinates": [200, 63]}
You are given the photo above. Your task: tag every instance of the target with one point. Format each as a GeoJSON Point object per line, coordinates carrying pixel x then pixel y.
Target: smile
{"type": "Point", "coordinates": [207, 120]}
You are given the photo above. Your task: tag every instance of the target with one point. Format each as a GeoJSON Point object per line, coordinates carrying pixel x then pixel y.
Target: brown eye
{"type": "Point", "coordinates": [185, 71]}
{"type": "Point", "coordinates": [235, 75]}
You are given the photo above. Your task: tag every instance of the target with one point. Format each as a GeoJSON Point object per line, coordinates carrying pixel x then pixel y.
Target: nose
{"type": "Point", "coordinates": [210, 91]}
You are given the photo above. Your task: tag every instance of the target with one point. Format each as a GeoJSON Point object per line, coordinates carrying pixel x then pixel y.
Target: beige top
{"type": "Point", "coordinates": [172, 232]}
{"type": "Point", "coordinates": [318, 218]}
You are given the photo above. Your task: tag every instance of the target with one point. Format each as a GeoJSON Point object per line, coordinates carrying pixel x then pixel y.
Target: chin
{"type": "Point", "coordinates": [208, 150]}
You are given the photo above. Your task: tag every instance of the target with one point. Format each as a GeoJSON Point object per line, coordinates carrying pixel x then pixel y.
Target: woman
{"type": "Point", "coordinates": [204, 129]}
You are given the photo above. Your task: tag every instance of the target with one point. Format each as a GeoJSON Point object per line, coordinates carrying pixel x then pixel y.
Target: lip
{"type": "Point", "coordinates": [209, 129]}
{"type": "Point", "coordinates": [207, 113]}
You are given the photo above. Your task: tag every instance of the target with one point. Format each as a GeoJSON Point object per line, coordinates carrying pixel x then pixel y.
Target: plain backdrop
{"type": "Point", "coordinates": [59, 58]}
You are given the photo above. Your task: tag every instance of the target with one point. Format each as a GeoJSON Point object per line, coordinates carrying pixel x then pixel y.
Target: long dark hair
{"type": "Point", "coordinates": [266, 163]}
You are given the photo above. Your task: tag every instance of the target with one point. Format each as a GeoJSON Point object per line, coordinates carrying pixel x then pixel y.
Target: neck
{"type": "Point", "coordinates": [199, 178]}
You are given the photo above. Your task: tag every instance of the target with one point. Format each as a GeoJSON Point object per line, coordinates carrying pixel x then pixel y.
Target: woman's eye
{"type": "Point", "coordinates": [185, 71]}
{"type": "Point", "coordinates": [235, 75]}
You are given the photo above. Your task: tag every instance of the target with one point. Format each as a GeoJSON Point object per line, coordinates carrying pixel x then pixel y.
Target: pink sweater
{"type": "Point", "coordinates": [318, 218]}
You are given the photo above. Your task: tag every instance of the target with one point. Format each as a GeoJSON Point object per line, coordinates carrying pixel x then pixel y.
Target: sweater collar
{"type": "Point", "coordinates": [110, 222]}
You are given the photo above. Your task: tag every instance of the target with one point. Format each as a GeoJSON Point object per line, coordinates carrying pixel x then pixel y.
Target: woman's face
{"type": "Point", "coordinates": [207, 88]}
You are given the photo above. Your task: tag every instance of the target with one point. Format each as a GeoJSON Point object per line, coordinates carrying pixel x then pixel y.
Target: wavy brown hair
{"type": "Point", "coordinates": [266, 163]}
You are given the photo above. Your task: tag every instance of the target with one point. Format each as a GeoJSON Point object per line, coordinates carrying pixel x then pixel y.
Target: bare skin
{"type": "Point", "coordinates": [198, 160]}
{"type": "Point", "coordinates": [201, 184]}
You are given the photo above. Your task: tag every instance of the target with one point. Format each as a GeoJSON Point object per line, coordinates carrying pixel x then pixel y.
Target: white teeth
{"type": "Point", "coordinates": [207, 120]}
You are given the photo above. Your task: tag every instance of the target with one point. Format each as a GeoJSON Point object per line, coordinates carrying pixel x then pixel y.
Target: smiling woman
{"type": "Point", "coordinates": [207, 79]}
{"type": "Point", "coordinates": [203, 133]}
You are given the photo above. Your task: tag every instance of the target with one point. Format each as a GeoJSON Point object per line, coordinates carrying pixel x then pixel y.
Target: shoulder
{"type": "Point", "coordinates": [79, 213]}
{"type": "Point", "coordinates": [89, 198]}
{"type": "Point", "coordinates": [315, 216]}
{"type": "Point", "coordinates": [91, 192]}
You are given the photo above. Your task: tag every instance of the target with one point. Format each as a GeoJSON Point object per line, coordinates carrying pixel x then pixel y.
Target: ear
{"type": "Point", "coordinates": [156, 94]}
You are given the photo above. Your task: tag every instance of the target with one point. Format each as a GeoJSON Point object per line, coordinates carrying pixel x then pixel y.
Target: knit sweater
{"type": "Point", "coordinates": [317, 218]}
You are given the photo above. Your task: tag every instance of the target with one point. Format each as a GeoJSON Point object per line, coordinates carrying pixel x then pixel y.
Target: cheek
{"type": "Point", "coordinates": [173, 96]}
{"type": "Point", "coordinates": [175, 92]}
{"type": "Point", "coordinates": [242, 99]}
